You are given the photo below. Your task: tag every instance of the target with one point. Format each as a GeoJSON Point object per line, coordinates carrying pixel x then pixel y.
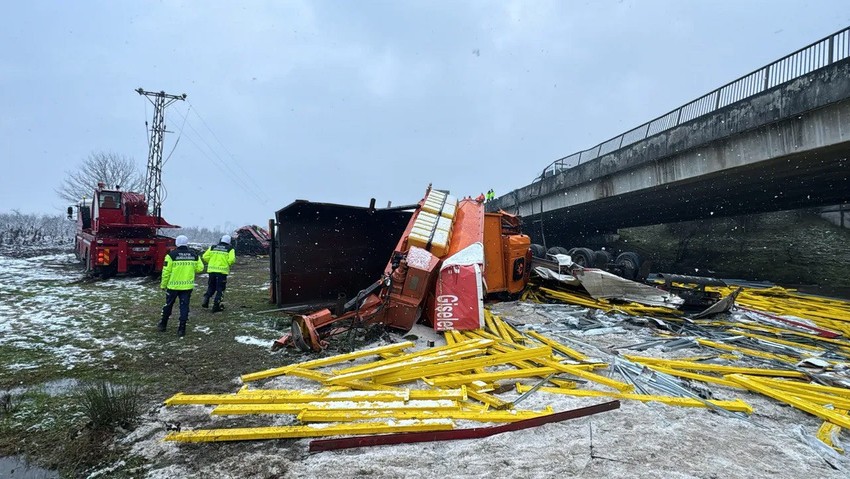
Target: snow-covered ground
{"type": "Point", "coordinates": [638, 440]}
{"type": "Point", "coordinates": [48, 306]}
{"type": "Point", "coordinates": [56, 319]}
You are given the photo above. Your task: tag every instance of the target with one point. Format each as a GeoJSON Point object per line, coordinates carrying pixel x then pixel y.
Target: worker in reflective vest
{"type": "Point", "coordinates": [178, 281]}
{"type": "Point", "coordinates": [219, 259]}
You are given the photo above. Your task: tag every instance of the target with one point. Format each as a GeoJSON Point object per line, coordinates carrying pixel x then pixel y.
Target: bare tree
{"type": "Point", "coordinates": [111, 169]}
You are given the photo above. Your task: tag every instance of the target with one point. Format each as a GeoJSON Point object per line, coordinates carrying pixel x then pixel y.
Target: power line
{"type": "Point", "coordinates": [216, 158]}
{"type": "Point", "coordinates": [247, 175]}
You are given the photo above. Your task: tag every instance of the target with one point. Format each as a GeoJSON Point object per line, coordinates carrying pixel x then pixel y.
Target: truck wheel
{"type": "Point", "coordinates": [629, 262]}
{"type": "Point", "coordinates": [538, 251]}
{"type": "Point", "coordinates": [601, 259]}
{"type": "Point", "coordinates": [553, 250]}
{"type": "Point", "coordinates": [583, 257]}
{"type": "Point", "coordinates": [562, 250]}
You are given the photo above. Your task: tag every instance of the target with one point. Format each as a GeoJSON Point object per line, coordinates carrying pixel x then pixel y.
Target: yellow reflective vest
{"type": "Point", "coordinates": [179, 269]}
{"type": "Point", "coordinates": [220, 258]}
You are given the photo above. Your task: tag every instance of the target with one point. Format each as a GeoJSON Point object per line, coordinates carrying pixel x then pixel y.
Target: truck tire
{"type": "Point", "coordinates": [601, 259]}
{"type": "Point", "coordinates": [583, 257]}
{"type": "Point", "coordinates": [553, 250]}
{"type": "Point", "coordinates": [629, 262]}
{"type": "Point", "coordinates": [537, 251]}
{"type": "Point", "coordinates": [562, 250]}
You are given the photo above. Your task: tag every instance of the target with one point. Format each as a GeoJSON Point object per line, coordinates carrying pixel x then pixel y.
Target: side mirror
{"type": "Point", "coordinates": [70, 212]}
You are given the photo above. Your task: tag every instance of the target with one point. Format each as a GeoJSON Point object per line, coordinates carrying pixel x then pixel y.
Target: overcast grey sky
{"type": "Point", "coordinates": [340, 101]}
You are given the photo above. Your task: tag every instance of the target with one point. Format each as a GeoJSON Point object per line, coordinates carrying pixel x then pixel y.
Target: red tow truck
{"type": "Point", "coordinates": [116, 234]}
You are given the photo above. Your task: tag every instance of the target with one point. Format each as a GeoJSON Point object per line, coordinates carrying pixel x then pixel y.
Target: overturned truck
{"type": "Point", "coordinates": [349, 266]}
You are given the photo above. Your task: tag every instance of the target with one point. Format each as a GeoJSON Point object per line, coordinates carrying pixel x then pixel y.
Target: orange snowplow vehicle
{"type": "Point", "coordinates": [449, 255]}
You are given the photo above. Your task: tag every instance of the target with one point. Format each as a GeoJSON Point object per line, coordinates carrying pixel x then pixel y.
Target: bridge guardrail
{"type": "Point", "coordinates": [817, 55]}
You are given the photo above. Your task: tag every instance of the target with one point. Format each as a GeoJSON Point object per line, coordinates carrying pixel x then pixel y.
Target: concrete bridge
{"type": "Point", "coordinates": [775, 139]}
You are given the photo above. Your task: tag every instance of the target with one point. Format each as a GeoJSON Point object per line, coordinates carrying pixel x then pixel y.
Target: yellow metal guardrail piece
{"type": "Point", "coordinates": [801, 404]}
{"type": "Point", "coordinates": [295, 408]}
{"type": "Point", "coordinates": [313, 430]}
{"type": "Point", "coordinates": [736, 405]}
{"type": "Point", "coordinates": [441, 351]}
{"type": "Point", "coordinates": [450, 357]}
{"type": "Point", "coordinates": [449, 381]}
{"type": "Point", "coordinates": [717, 368]}
{"type": "Point", "coordinates": [558, 346]}
{"type": "Point", "coordinates": [485, 416]}
{"type": "Point", "coordinates": [326, 361]}
{"type": "Point", "coordinates": [440, 369]}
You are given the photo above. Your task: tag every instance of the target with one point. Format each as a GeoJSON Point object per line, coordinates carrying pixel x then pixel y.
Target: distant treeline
{"type": "Point", "coordinates": [197, 235]}
{"type": "Point", "coordinates": [18, 228]}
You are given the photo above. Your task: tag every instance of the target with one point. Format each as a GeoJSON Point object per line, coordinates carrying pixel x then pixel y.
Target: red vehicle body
{"type": "Point", "coordinates": [116, 234]}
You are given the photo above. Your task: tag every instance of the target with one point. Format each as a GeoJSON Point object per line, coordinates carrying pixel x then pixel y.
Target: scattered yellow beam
{"type": "Point", "coordinates": [801, 404]}
{"type": "Point", "coordinates": [295, 408]}
{"type": "Point", "coordinates": [328, 394]}
{"type": "Point", "coordinates": [827, 431]}
{"type": "Point", "coordinates": [737, 405]}
{"type": "Point", "coordinates": [325, 377]}
{"type": "Point", "coordinates": [717, 368]}
{"type": "Point", "coordinates": [748, 351]}
{"type": "Point", "coordinates": [699, 377]}
{"type": "Point", "coordinates": [315, 430]}
{"type": "Point", "coordinates": [819, 388]}
{"type": "Point", "coordinates": [457, 366]}
{"type": "Point", "coordinates": [487, 399]}
{"type": "Point", "coordinates": [397, 367]}
{"type": "Point", "coordinates": [785, 342]}
{"type": "Point", "coordinates": [448, 381]}
{"type": "Point", "coordinates": [441, 351]}
{"type": "Point", "coordinates": [480, 416]}
{"type": "Point", "coordinates": [326, 361]}
{"type": "Point", "coordinates": [558, 346]}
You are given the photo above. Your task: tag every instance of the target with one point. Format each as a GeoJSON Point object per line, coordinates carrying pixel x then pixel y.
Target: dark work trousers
{"type": "Point", "coordinates": [171, 295]}
{"type": "Point", "coordinates": [216, 285]}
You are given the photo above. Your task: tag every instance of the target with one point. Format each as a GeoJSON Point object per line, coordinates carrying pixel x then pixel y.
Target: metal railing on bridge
{"type": "Point", "coordinates": [819, 54]}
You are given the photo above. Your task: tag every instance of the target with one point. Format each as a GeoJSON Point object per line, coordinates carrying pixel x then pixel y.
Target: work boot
{"type": "Point", "coordinates": [217, 307]}
{"type": "Point", "coordinates": [206, 303]}
{"type": "Point", "coordinates": [181, 331]}
{"type": "Point", "coordinates": [161, 325]}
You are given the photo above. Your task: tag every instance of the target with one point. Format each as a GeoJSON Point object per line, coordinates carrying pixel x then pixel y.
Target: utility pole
{"type": "Point", "coordinates": [153, 175]}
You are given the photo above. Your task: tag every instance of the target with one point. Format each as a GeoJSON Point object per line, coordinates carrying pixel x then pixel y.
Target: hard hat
{"type": "Point", "coordinates": [225, 239]}
{"type": "Point", "coordinates": [181, 240]}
